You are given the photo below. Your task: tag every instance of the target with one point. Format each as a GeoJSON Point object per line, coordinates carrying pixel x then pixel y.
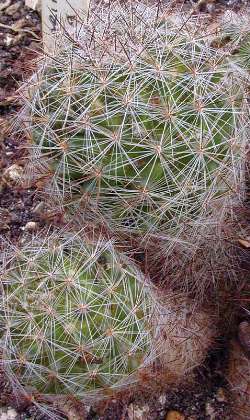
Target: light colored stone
{"type": "Point", "coordinates": [210, 412]}
{"type": "Point", "coordinates": [162, 399]}
{"type": "Point", "coordinates": [11, 413]}
{"type": "Point", "coordinates": [137, 413]}
{"type": "Point", "coordinates": [14, 40]}
{"type": "Point", "coordinates": [13, 173]}
{"type": "Point", "coordinates": [30, 226]}
{"type": "Point", "coordinates": [220, 395]}
{"type": "Point", "coordinates": [244, 242]}
{"type": "Point", "coordinates": [8, 413]}
{"type": "Point", "coordinates": [174, 415]}
{"type": "Point", "coordinates": [8, 40]}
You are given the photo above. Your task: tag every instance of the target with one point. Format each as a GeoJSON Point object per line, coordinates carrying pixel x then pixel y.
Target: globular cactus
{"type": "Point", "coordinates": [139, 123]}
{"type": "Point", "coordinates": [74, 317]}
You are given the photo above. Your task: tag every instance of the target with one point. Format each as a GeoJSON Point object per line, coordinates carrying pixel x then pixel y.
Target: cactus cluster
{"type": "Point", "coordinates": [139, 126]}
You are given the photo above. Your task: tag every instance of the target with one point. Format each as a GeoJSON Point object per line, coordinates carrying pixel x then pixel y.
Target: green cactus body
{"type": "Point", "coordinates": [243, 53]}
{"type": "Point", "coordinates": [235, 34]}
{"type": "Point", "coordinates": [147, 136]}
{"type": "Point", "coordinates": [74, 319]}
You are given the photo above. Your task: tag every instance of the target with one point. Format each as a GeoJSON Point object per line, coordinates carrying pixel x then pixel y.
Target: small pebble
{"type": "Point", "coordinates": [10, 414]}
{"type": "Point", "coordinates": [174, 415]}
{"type": "Point", "coordinates": [162, 399]}
{"type": "Point", "coordinates": [137, 413]}
{"type": "Point", "coordinates": [31, 226]}
{"type": "Point", "coordinates": [210, 412]}
{"type": "Point", "coordinates": [8, 40]}
{"type": "Point", "coordinates": [13, 173]}
{"type": "Point", "coordinates": [220, 395]}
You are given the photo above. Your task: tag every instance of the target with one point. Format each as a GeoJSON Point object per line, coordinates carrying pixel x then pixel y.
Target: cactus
{"type": "Point", "coordinates": [141, 125]}
{"type": "Point", "coordinates": [79, 319]}
{"type": "Point", "coordinates": [74, 317]}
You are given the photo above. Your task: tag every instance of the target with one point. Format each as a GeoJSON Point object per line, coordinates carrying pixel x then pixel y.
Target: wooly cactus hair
{"type": "Point", "coordinates": [74, 317]}
{"type": "Point", "coordinates": [139, 123]}
{"type": "Point", "coordinates": [205, 271]}
{"type": "Point", "coordinates": [183, 335]}
{"type": "Point", "coordinates": [238, 377]}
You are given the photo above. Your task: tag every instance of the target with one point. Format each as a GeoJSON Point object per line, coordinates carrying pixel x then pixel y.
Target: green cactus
{"type": "Point", "coordinates": [148, 135]}
{"type": "Point", "coordinates": [74, 317]}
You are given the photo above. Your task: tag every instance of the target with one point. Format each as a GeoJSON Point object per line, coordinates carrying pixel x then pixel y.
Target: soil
{"type": "Point", "coordinates": [207, 398]}
{"type": "Point", "coordinates": [19, 41]}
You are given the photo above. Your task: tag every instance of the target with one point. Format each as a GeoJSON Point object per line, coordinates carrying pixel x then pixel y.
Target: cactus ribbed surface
{"type": "Point", "coordinates": [145, 130]}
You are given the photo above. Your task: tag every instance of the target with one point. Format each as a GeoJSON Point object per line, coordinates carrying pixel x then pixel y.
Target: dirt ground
{"type": "Point", "coordinates": [208, 397]}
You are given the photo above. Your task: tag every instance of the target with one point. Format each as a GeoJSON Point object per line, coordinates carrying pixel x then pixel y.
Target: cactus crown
{"type": "Point", "coordinates": [145, 127]}
{"type": "Point", "coordinates": [74, 318]}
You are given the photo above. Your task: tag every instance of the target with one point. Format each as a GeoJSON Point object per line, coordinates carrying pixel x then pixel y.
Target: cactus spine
{"type": "Point", "coordinates": [143, 130]}
{"type": "Point", "coordinates": [74, 318]}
